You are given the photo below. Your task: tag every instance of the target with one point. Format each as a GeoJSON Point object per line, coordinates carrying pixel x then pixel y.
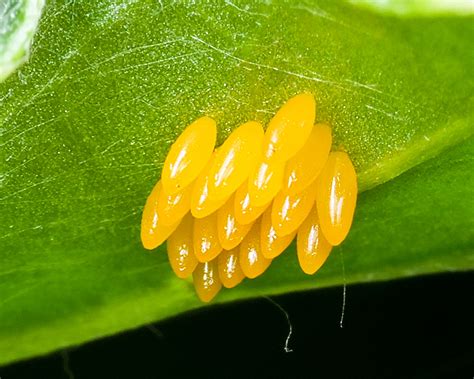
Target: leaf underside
{"type": "Point", "coordinates": [86, 125]}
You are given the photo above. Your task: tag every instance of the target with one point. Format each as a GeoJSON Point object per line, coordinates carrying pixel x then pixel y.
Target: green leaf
{"type": "Point", "coordinates": [418, 7]}
{"type": "Point", "coordinates": [18, 23]}
{"type": "Point", "coordinates": [86, 125]}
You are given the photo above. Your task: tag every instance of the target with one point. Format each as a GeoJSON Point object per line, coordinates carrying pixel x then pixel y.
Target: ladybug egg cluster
{"type": "Point", "coordinates": [227, 212]}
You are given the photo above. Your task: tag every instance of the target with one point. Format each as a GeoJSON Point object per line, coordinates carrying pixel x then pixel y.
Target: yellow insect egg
{"type": "Point", "coordinates": [227, 212]}
{"type": "Point", "coordinates": [205, 238]}
{"type": "Point", "coordinates": [189, 155]}
{"type": "Point", "coordinates": [230, 231]}
{"type": "Point", "coordinates": [272, 245]}
{"type": "Point", "coordinates": [312, 247]}
{"type": "Point", "coordinates": [172, 208]}
{"type": "Point", "coordinates": [202, 204]}
{"type": "Point", "coordinates": [230, 272]}
{"type": "Point", "coordinates": [180, 249]}
{"type": "Point", "coordinates": [289, 129]}
{"type": "Point", "coordinates": [252, 261]}
{"type": "Point", "coordinates": [152, 232]}
{"type": "Point", "coordinates": [206, 280]}
{"type": "Point", "coordinates": [305, 166]}
{"type": "Point", "coordinates": [235, 159]}
{"type": "Point", "coordinates": [289, 211]}
{"type": "Point", "coordinates": [336, 197]}
{"type": "Point", "coordinates": [245, 209]}
{"type": "Point", "coordinates": [265, 181]}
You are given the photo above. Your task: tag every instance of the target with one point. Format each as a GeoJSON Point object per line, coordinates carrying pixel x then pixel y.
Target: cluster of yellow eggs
{"type": "Point", "coordinates": [227, 212]}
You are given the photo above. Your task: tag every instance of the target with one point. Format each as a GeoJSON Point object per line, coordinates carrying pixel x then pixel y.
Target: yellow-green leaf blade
{"type": "Point", "coordinates": [87, 122]}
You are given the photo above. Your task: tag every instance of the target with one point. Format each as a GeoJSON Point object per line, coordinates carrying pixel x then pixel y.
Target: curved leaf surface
{"type": "Point", "coordinates": [86, 125]}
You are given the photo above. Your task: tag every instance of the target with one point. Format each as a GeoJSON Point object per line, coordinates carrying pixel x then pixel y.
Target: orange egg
{"type": "Point", "coordinates": [305, 166]}
{"type": "Point", "coordinates": [234, 160]}
{"type": "Point", "coordinates": [205, 238]}
{"type": "Point", "coordinates": [206, 280]}
{"type": "Point", "coordinates": [265, 181]}
{"type": "Point", "coordinates": [312, 247]}
{"type": "Point", "coordinates": [289, 211]}
{"type": "Point", "coordinates": [230, 231]}
{"type": "Point", "coordinates": [289, 129]}
{"type": "Point", "coordinates": [180, 248]}
{"type": "Point", "coordinates": [272, 245]}
{"type": "Point", "coordinates": [245, 209]}
{"type": "Point", "coordinates": [252, 261]}
{"type": "Point", "coordinates": [202, 204]}
{"type": "Point", "coordinates": [189, 155]}
{"type": "Point", "coordinates": [152, 232]}
{"type": "Point", "coordinates": [230, 272]}
{"type": "Point", "coordinates": [172, 208]}
{"type": "Point", "coordinates": [336, 197]}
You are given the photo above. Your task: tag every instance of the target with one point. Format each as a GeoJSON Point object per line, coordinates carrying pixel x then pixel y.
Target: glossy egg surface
{"type": "Point", "coordinates": [228, 212]}
{"type": "Point", "coordinates": [189, 155]}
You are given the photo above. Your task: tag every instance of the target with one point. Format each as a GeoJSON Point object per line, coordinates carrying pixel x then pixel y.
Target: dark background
{"type": "Point", "coordinates": [413, 328]}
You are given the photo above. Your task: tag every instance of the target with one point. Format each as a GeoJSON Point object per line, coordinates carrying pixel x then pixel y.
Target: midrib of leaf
{"type": "Point", "coordinates": [420, 150]}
